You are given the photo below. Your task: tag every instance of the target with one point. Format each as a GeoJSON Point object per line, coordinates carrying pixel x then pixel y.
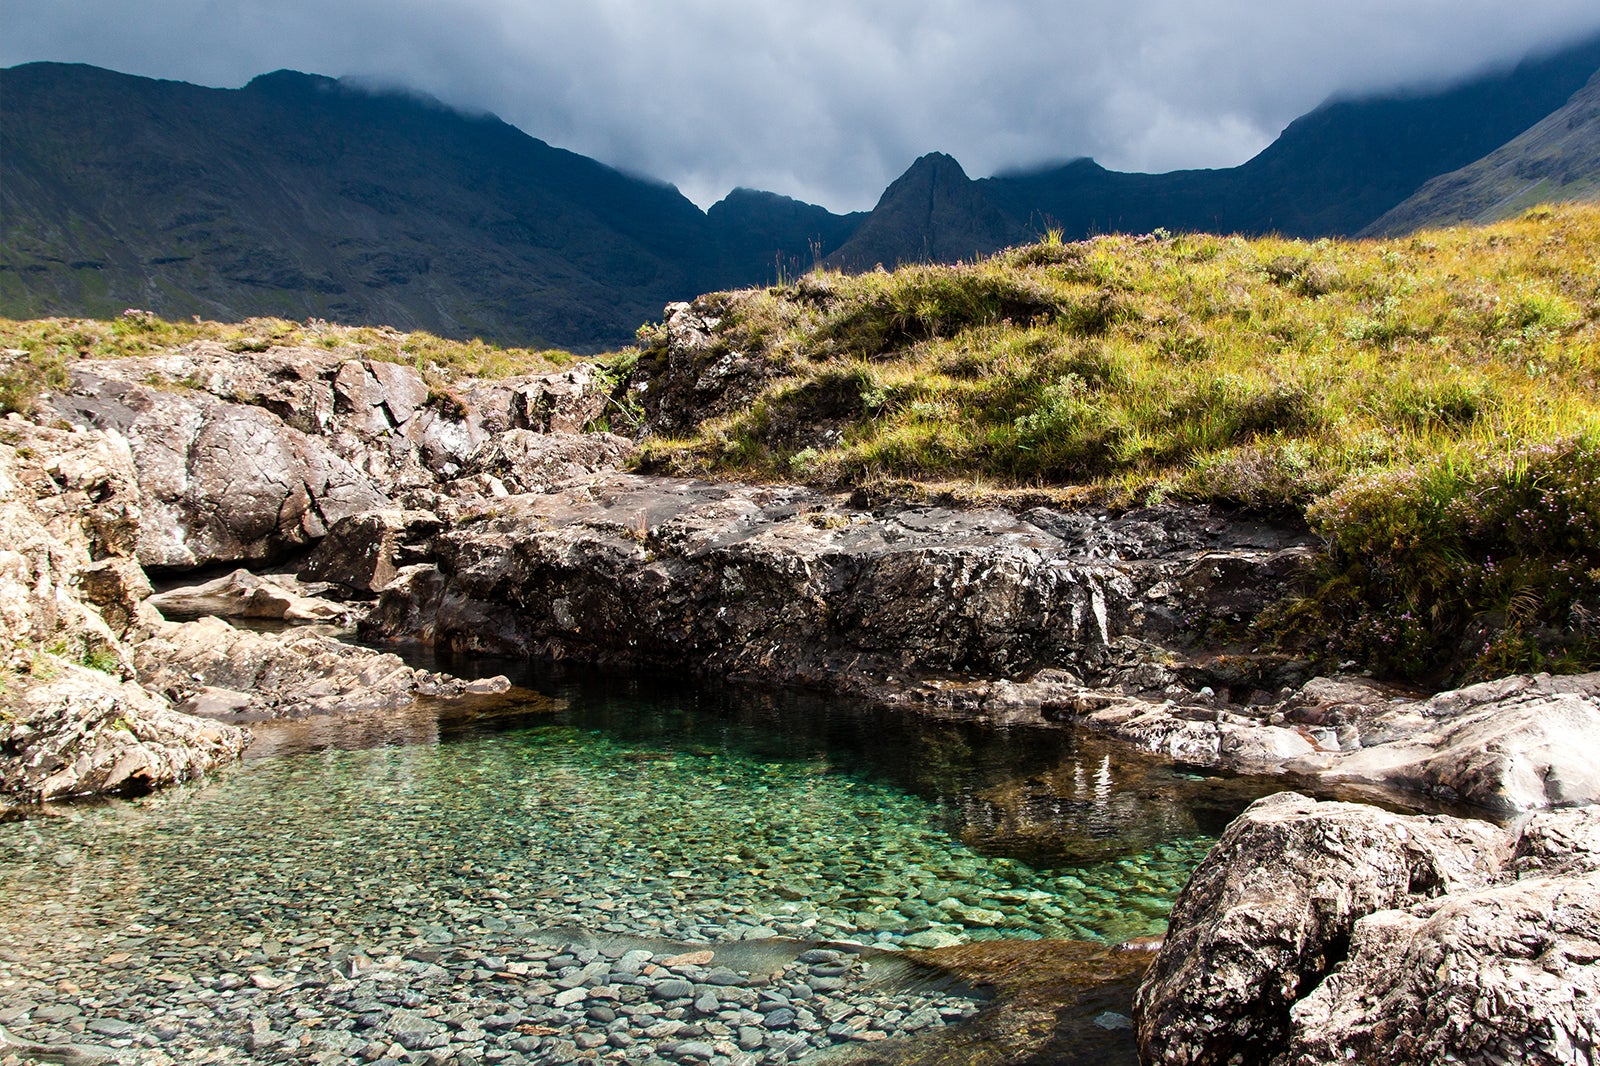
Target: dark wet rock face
{"type": "Point", "coordinates": [785, 584]}
{"type": "Point", "coordinates": [364, 552]}
{"type": "Point", "coordinates": [1320, 933]}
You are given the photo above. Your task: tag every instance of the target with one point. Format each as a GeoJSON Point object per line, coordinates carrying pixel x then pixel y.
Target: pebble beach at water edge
{"type": "Point", "coordinates": [460, 1003]}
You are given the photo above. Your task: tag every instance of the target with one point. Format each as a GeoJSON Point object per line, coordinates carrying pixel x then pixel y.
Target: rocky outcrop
{"type": "Point", "coordinates": [94, 682]}
{"type": "Point", "coordinates": [1506, 974]}
{"type": "Point", "coordinates": [564, 402]}
{"type": "Point", "coordinates": [245, 460]}
{"type": "Point", "coordinates": [784, 584]}
{"type": "Point", "coordinates": [1322, 933]}
{"type": "Point", "coordinates": [521, 460]}
{"type": "Point", "coordinates": [69, 506]}
{"type": "Point", "coordinates": [237, 675]}
{"type": "Point", "coordinates": [71, 718]}
{"type": "Point", "coordinates": [687, 372]}
{"type": "Point", "coordinates": [71, 731]}
{"type": "Point", "coordinates": [1513, 744]}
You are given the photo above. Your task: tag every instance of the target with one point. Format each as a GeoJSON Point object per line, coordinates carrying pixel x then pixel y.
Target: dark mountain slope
{"type": "Point", "coordinates": [933, 212]}
{"type": "Point", "coordinates": [766, 237]}
{"type": "Point", "coordinates": [302, 196]}
{"type": "Point", "coordinates": [1331, 172]}
{"type": "Point", "coordinates": [1556, 160]}
{"type": "Point", "coordinates": [299, 196]}
{"type": "Point", "coordinates": [1351, 161]}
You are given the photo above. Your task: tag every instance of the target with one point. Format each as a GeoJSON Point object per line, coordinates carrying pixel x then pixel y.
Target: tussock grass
{"type": "Point", "coordinates": [1430, 405]}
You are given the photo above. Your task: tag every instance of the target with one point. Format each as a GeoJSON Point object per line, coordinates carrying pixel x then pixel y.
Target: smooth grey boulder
{"type": "Point", "coordinates": [219, 481]}
{"type": "Point", "coordinates": [242, 594]}
{"type": "Point", "coordinates": [1271, 910]}
{"type": "Point", "coordinates": [1513, 744]}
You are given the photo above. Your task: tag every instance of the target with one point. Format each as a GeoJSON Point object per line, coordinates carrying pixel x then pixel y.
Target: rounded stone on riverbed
{"type": "Point", "coordinates": [671, 989]}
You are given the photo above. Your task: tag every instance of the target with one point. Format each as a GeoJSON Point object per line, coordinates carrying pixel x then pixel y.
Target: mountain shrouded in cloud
{"type": "Point", "coordinates": [829, 101]}
{"type": "Point", "coordinates": [1556, 160]}
{"type": "Point", "coordinates": [300, 196]}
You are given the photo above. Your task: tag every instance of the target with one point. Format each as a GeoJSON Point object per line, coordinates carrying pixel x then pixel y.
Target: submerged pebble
{"type": "Point", "coordinates": [538, 896]}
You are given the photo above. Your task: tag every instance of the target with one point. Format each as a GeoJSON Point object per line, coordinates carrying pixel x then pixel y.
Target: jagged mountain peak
{"type": "Point", "coordinates": [931, 213]}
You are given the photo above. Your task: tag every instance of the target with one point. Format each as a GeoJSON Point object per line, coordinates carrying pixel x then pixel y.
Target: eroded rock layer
{"type": "Point", "coordinates": [788, 584]}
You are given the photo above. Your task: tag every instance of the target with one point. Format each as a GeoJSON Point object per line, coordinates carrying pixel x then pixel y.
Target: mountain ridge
{"type": "Point", "coordinates": [299, 196]}
{"type": "Point", "coordinates": [1556, 159]}
{"type": "Point", "coordinates": [1330, 172]}
{"type": "Point", "coordinates": [302, 196]}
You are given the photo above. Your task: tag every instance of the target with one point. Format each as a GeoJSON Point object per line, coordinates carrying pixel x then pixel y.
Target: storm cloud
{"type": "Point", "coordinates": [829, 100]}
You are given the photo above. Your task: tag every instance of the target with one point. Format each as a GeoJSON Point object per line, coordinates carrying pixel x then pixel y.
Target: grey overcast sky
{"type": "Point", "coordinates": [829, 100]}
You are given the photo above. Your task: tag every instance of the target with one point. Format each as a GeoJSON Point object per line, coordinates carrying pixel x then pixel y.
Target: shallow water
{"type": "Point", "coordinates": [622, 808]}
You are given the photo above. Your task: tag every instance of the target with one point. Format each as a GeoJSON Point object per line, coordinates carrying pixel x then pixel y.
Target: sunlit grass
{"type": "Point", "coordinates": [1360, 386]}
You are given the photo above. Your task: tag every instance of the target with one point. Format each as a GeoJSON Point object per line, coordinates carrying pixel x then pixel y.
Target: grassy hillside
{"type": "Point", "coordinates": [1430, 405]}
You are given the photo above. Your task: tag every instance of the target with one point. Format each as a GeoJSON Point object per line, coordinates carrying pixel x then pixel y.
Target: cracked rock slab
{"type": "Point", "coordinates": [1270, 912]}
